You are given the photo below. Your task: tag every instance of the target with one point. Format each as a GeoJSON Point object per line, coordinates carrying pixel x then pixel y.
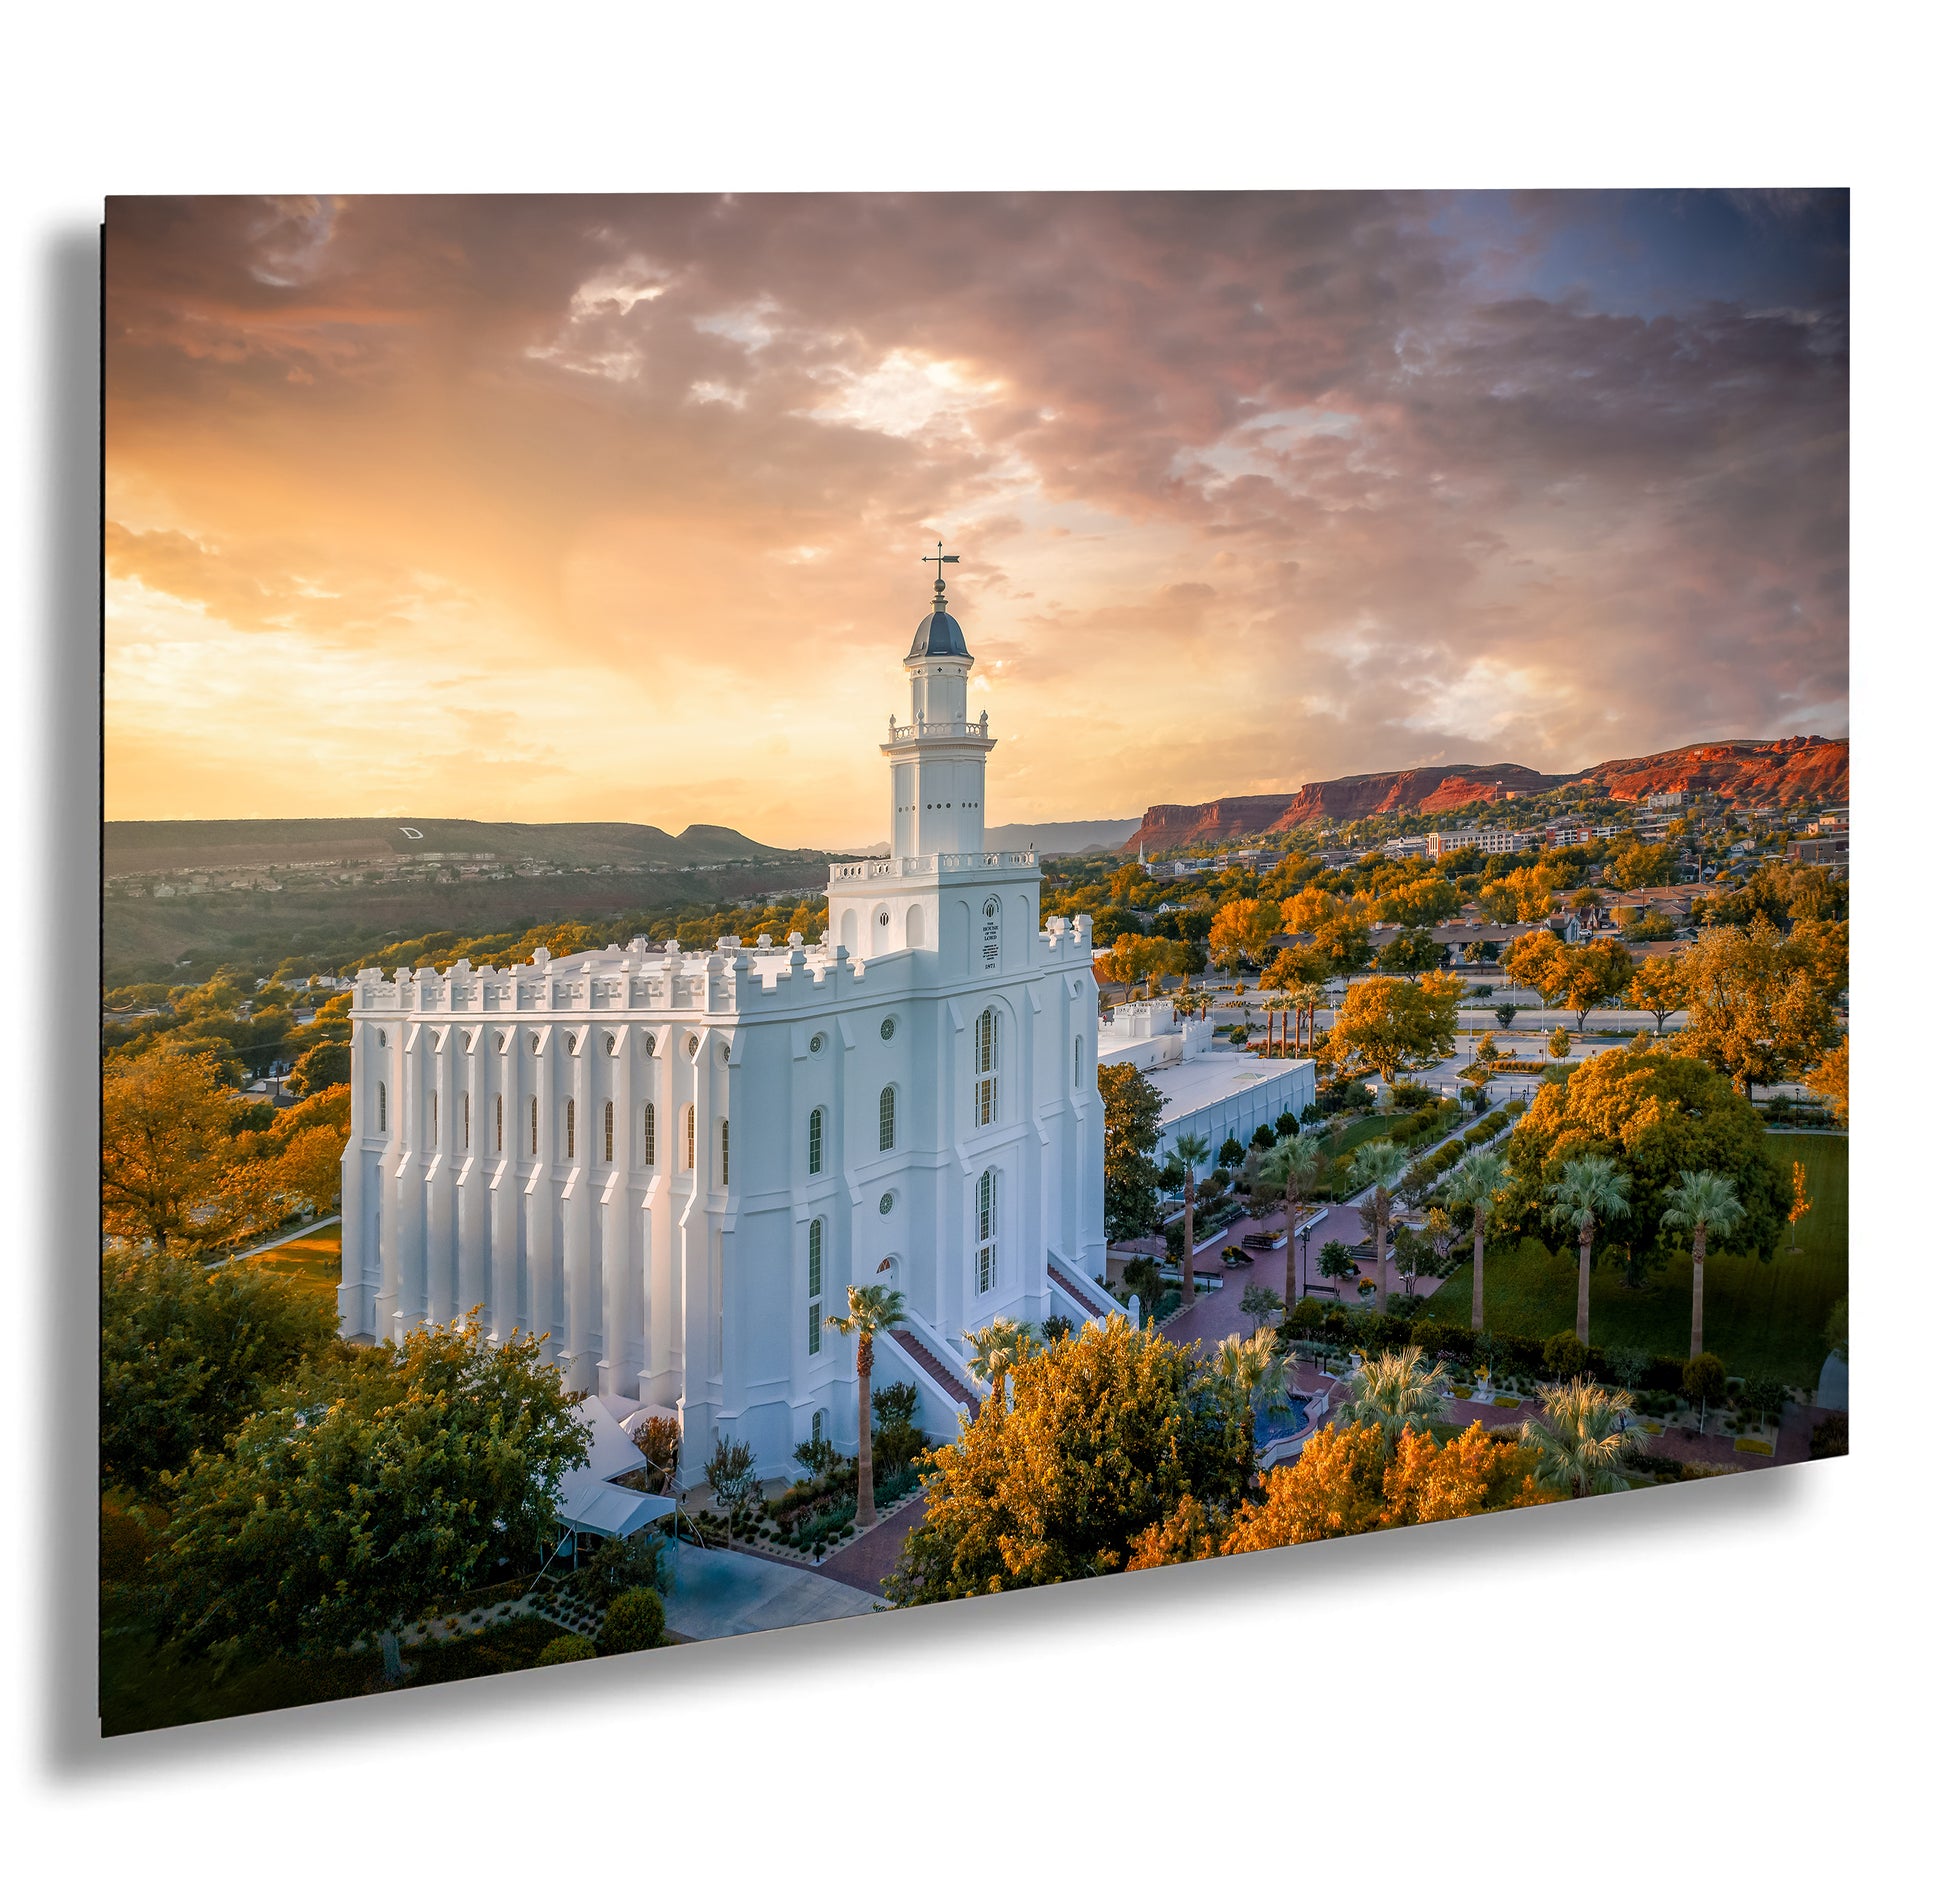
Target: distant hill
{"type": "Point", "coordinates": [131, 848]}
{"type": "Point", "coordinates": [1746, 771]}
{"type": "Point", "coordinates": [1056, 840]}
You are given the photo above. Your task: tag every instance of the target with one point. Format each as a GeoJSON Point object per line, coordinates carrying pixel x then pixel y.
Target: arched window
{"type": "Point", "coordinates": [648, 1136]}
{"type": "Point", "coordinates": [499, 1125]}
{"type": "Point", "coordinates": [381, 1107]}
{"type": "Point", "coordinates": [888, 1118]}
{"type": "Point", "coordinates": [723, 1133]}
{"type": "Point", "coordinates": [986, 1069]}
{"type": "Point", "coordinates": [608, 1132]}
{"type": "Point", "coordinates": [817, 1428]}
{"type": "Point", "coordinates": [817, 1139]}
{"type": "Point", "coordinates": [689, 1137]}
{"type": "Point", "coordinates": [435, 1121]}
{"type": "Point", "coordinates": [466, 1121]}
{"type": "Point", "coordinates": [815, 1337]}
{"type": "Point", "coordinates": [984, 1262]}
{"type": "Point", "coordinates": [533, 1127]}
{"type": "Point", "coordinates": [1077, 1062]}
{"type": "Point", "coordinates": [570, 1127]}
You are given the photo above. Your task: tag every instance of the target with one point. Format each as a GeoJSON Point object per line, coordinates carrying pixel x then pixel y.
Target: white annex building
{"type": "Point", "coordinates": [674, 1163]}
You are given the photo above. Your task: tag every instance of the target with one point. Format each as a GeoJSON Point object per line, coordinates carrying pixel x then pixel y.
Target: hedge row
{"type": "Point", "coordinates": [1349, 1327]}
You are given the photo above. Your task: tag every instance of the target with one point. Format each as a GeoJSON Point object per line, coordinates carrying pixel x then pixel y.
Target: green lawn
{"type": "Point", "coordinates": [1758, 1317]}
{"type": "Point", "coordinates": [313, 1261]}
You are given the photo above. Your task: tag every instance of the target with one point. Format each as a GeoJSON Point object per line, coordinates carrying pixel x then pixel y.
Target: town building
{"type": "Point", "coordinates": [1487, 840]}
{"type": "Point", "coordinates": [673, 1163]}
{"type": "Point", "coordinates": [1206, 1093]}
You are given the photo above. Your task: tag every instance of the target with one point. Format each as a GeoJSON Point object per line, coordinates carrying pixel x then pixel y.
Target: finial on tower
{"type": "Point", "coordinates": [939, 580]}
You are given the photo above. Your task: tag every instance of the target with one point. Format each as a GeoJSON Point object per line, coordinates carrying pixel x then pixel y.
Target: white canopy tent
{"type": "Point", "coordinates": [587, 1504]}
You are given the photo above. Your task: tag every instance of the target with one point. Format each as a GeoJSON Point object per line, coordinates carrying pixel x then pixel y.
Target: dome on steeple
{"type": "Point", "coordinates": [938, 633]}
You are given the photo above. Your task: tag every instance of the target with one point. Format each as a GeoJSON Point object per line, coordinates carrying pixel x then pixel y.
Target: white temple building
{"type": "Point", "coordinates": [673, 1164]}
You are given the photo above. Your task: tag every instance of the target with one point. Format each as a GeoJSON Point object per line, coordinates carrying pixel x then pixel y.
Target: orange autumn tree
{"type": "Point", "coordinates": [174, 1175]}
{"type": "Point", "coordinates": [1342, 1485]}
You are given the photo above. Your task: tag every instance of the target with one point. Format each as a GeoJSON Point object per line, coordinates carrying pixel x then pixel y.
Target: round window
{"type": "Point", "coordinates": [726, 1052]}
{"type": "Point", "coordinates": [648, 1045]}
{"type": "Point", "coordinates": [695, 1045]}
{"type": "Point", "coordinates": [885, 1204]}
{"type": "Point", "coordinates": [887, 1027]}
{"type": "Point", "coordinates": [817, 1042]}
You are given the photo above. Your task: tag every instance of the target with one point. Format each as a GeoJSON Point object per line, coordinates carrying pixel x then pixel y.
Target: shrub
{"type": "Point", "coordinates": [817, 1456]}
{"type": "Point", "coordinates": [1305, 1318]}
{"type": "Point", "coordinates": [1627, 1366]}
{"type": "Point", "coordinates": [896, 1404]}
{"type": "Point", "coordinates": [618, 1566]}
{"type": "Point", "coordinates": [1263, 1137]}
{"type": "Point", "coordinates": [1765, 1397]}
{"type": "Point", "coordinates": [1335, 1263]}
{"type": "Point", "coordinates": [633, 1622]}
{"type": "Point", "coordinates": [565, 1648]}
{"type": "Point", "coordinates": [1831, 1436]}
{"type": "Point", "coordinates": [1055, 1328]}
{"type": "Point", "coordinates": [731, 1472]}
{"type": "Point", "coordinates": [1287, 1124]}
{"type": "Point", "coordinates": [1564, 1356]}
{"type": "Point", "coordinates": [1704, 1379]}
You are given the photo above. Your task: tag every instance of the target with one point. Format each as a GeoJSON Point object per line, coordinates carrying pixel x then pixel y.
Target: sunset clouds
{"type": "Point", "coordinates": [612, 507]}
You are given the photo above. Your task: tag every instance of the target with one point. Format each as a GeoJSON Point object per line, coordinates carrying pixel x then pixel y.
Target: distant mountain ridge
{"type": "Point", "coordinates": [132, 847]}
{"type": "Point", "coordinates": [1747, 771]}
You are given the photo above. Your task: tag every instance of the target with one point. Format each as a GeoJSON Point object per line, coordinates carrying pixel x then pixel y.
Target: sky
{"type": "Point", "coordinates": [543, 508]}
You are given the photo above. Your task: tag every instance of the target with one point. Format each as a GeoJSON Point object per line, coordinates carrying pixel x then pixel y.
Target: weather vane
{"type": "Point", "coordinates": [939, 561]}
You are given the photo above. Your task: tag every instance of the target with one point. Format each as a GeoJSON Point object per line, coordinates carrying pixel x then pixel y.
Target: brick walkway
{"type": "Point", "coordinates": [867, 1560]}
{"type": "Point", "coordinates": [1220, 1312]}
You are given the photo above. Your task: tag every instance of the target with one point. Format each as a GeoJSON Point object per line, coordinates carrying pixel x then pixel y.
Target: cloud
{"type": "Point", "coordinates": [1250, 488]}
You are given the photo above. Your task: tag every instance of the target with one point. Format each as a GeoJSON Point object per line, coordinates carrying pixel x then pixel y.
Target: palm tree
{"type": "Point", "coordinates": [1479, 1181]}
{"type": "Point", "coordinates": [1291, 1164]}
{"type": "Point", "coordinates": [1378, 1162]}
{"type": "Point", "coordinates": [1190, 1150]}
{"type": "Point", "coordinates": [1706, 1205]}
{"type": "Point", "coordinates": [1588, 1189]}
{"type": "Point", "coordinates": [1399, 1393]}
{"type": "Point", "coordinates": [1583, 1437]}
{"type": "Point", "coordinates": [1312, 995]}
{"type": "Point", "coordinates": [998, 1348]}
{"type": "Point", "coordinates": [1253, 1366]}
{"type": "Point", "coordinates": [874, 1310]}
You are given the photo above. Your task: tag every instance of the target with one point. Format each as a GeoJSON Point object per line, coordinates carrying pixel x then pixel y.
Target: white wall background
{"type": "Point", "coordinates": [1757, 1653]}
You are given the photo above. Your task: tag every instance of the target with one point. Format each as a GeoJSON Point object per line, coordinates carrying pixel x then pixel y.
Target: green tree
{"type": "Point", "coordinates": [1291, 1165]}
{"type": "Point", "coordinates": [187, 1354]}
{"type": "Point", "coordinates": [1583, 1439]}
{"type": "Point", "coordinates": [871, 1311]}
{"type": "Point", "coordinates": [383, 1489]}
{"type": "Point", "coordinates": [1704, 1379]}
{"type": "Point", "coordinates": [1108, 1432]}
{"type": "Point", "coordinates": [1131, 1127]}
{"type": "Point", "coordinates": [1378, 1163]}
{"type": "Point", "coordinates": [1656, 1112]}
{"type": "Point", "coordinates": [321, 1067]}
{"type": "Point", "coordinates": [1478, 1183]}
{"type": "Point", "coordinates": [1701, 1204]}
{"type": "Point", "coordinates": [1398, 1393]}
{"type": "Point", "coordinates": [1588, 1190]}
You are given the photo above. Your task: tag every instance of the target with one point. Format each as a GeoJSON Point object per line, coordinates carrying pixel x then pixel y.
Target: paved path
{"type": "Point", "coordinates": [723, 1592]}
{"type": "Point", "coordinates": [867, 1560]}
